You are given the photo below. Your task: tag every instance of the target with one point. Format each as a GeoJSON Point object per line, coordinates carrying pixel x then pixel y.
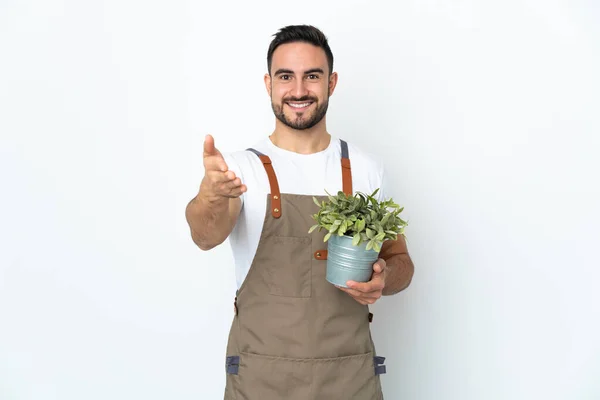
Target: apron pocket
{"type": "Point", "coordinates": [350, 377]}
{"type": "Point", "coordinates": [274, 378]}
{"type": "Point", "coordinates": [287, 266]}
{"type": "Point", "coordinates": [338, 378]}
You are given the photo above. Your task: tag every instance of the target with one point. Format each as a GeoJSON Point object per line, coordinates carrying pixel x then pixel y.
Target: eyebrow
{"type": "Point", "coordinates": [314, 70]}
{"type": "Point", "coordinates": [289, 71]}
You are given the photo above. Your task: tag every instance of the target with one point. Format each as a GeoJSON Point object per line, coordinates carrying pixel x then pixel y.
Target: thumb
{"type": "Point", "coordinates": [209, 146]}
{"type": "Point", "coordinates": [378, 266]}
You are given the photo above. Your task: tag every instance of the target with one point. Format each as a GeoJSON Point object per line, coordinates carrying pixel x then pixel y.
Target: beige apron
{"type": "Point", "coordinates": [294, 335]}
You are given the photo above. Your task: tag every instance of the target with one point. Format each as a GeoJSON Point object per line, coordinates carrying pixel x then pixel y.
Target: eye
{"type": "Point", "coordinates": [313, 76]}
{"type": "Point", "coordinates": [285, 77]}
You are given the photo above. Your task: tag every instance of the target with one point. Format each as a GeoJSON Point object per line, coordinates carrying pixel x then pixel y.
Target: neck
{"type": "Point", "coordinates": [307, 141]}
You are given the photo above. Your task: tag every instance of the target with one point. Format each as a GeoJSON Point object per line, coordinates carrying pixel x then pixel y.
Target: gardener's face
{"type": "Point", "coordinates": [300, 84]}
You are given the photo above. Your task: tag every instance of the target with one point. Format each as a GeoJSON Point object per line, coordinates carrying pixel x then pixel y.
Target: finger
{"type": "Point", "coordinates": [361, 297]}
{"type": "Point", "coordinates": [227, 176]}
{"type": "Point", "coordinates": [236, 192]}
{"type": "Point", "coordinates": [218, 177]}
{"type": "Point", "coordinates": [209, 146]}
{"type": "Point", "coordinates": [242, 189]}
{"type": "Point", "coordinates": [352, 292]}
{"type": "Point", "coordinates": [219, 184]}
{"type": "Point", "coordinates": [233, 187]}
{"type": "Point", "coordinates": [215, 163]}
{"type": "Point", "coordinates": [231, 176]}
{"type": "Point", "coordinates": [230, 186]}
{"type": "Point", "coordinates": [234, 182]}
{"type": "Point", "coordinates": [375, 284]}
{"type": "Point", "coordinates": [379, 265]}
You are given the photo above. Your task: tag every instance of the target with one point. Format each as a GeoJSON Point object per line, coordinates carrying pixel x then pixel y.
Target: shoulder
{"type": "Point", "coordinates": [241, 159]}
{"type": "Point", "coordinates": [368, 168]}
{"type": "Point", "coordinates": [355, 151]}
{"type": "Point", "coordinates": [244, 161]}
{"type": "Point", "coordinates": [365, 161]}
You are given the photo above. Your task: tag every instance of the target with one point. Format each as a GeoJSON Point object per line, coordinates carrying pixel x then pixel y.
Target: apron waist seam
{"type": "Point", "coordinates": [314, 359]}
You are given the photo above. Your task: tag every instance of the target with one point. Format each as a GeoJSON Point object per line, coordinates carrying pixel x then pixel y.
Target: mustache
{"type": "Point", "coordinates": [303, 98]}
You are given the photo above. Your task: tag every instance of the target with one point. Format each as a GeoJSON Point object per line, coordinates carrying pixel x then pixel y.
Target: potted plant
{"type": "Point", "coordinates": [356, 225]}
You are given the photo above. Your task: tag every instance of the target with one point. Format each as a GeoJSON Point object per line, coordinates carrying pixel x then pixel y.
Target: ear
{"type": "Point", "coordinates": [333, 79]}
{"type": "Point", "coordinates": [268, 83]}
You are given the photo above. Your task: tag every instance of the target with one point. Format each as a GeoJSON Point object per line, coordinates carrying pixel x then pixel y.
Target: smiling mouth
{"type": "Point", "coordinates": [299, 106]}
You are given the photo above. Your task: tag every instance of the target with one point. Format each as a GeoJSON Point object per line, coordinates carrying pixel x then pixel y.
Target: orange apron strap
{"type": "Point", "coordinates": [275, 193]}
{"type": "Point", "coordinates": [346, 170]}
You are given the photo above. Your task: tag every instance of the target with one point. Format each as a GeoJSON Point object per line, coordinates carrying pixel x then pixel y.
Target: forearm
{"type": "Point", "coordinates": [208, 220]}
{"type": "Point", "coordinates": [399, 266]}
{"type": "Point", "coordinates": [400, 270]}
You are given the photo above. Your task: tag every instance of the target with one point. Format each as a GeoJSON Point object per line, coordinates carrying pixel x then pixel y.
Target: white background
{"type": "Point", "coordinates": [485, 113]}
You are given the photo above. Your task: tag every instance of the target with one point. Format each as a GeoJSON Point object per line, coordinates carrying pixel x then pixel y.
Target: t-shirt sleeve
{"type": "Point", "coordinates": [384, 189]}
{"type": "Point", "coordinates": [234, 166]}
{"type": "Point", "coordinates": [387, 192]}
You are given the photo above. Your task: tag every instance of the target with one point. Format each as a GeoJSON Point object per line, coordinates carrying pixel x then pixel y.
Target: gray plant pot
{"type": "Point", "coordinates": [346, 262]}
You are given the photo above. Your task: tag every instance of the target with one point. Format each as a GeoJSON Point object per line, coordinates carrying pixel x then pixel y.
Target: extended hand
{"type": "Point", "coordinates": [368, 292]}
{"type": "Point", "coordinates": [218, 181]}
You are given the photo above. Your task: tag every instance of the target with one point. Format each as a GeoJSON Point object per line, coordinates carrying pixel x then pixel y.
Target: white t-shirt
{"type": "Point", "coordinates": [309, 174]}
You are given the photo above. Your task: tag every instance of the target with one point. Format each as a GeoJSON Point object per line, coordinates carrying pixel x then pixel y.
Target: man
{"type": "Point", "coordinates": [294, 336]}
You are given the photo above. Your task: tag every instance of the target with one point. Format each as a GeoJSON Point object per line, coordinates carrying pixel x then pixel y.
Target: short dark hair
{"type": "Point", "coordinates": [300, 33]}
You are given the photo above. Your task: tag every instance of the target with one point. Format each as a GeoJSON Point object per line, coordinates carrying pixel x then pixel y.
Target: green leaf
{"type": "Point", "coordinates": [360, 225]}
{"type": "Point", "coordinates": [330, 218]}
{"type": "Point", "coordinates": [369, 245]}
{"type": "Point", "coordinates": [376, 247]}
{"type": "Point", "coordinates": [326, 238]}
{"type": "Point", "coordinates": [385, 219]}
{"type": "Point", "coordinates": [370, 233]}
{"type": "Point", "coordinates": [360, 216]}
{"type": "Point", "coordinates": [356, 239]}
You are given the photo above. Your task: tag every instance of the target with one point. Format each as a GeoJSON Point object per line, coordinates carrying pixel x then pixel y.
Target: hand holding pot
{"type": "Point", "coordinates": [371, 291]}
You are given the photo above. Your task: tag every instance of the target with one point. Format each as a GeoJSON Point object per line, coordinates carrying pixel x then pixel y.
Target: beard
{"type": "Point", "coordinates": [301, 122]}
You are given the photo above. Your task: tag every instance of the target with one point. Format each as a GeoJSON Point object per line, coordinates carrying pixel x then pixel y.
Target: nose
{"type": "Point", "coordinates": [299, 89]}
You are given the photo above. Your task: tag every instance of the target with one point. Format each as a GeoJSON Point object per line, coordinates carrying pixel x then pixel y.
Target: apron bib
{"type": "Point", "coordinates": [295, 336]}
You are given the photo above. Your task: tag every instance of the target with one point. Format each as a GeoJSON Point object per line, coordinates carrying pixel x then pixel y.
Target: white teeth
{"type": "Point", "coordinates": [299, 105]}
